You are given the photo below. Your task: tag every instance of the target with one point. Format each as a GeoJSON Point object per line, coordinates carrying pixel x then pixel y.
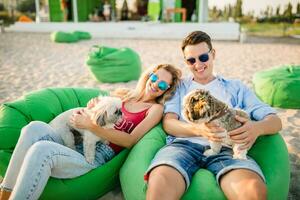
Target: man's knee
{"type": "Point", "coordinates": [255, 189]}
{"type": "Point", "coordinates": [165, 180]}
{"type": "Point", "coordinates": [243, 184]}
{"type": "Point", "coordinates": [159, 176]}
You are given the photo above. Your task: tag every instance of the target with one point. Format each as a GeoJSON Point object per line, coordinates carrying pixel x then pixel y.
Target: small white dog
{"type": "Point", "coordinates": [105, 113]}
{"type": "Point", "coordinates": [201, 107]}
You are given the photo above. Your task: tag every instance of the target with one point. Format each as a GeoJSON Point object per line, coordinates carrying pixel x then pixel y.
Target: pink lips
{"type": "Point", "coordinates": [200, 69]}
{"type": "Point", "coordinates": [152, 88]}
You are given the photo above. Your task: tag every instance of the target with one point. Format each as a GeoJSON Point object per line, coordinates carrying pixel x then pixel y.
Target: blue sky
{"type": "Point", "coordinates": [255, 5]}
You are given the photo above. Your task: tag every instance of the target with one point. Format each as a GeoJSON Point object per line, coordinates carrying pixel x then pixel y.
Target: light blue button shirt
{"type": "Point", "coordinates": [233, 92]}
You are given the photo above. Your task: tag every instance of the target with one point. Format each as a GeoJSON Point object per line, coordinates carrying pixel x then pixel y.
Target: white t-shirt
{"type": "Point", "coordinates": [215, 88]}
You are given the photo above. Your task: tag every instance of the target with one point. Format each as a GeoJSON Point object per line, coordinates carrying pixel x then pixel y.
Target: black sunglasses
{"type": "Point", "coordinates": [202, 58]}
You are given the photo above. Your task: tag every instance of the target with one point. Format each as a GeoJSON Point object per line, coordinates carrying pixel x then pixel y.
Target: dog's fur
{"type": "Point", "coordinates": [106, 113]}
{"type": "Point", "coordinates": [201, 107]}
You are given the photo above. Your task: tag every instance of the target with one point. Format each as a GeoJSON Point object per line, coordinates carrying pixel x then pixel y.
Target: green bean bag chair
{"type": "Point", "coordinates": [44, 105]}
{"type": "Point", "coordinates": [270, 153]}
{"type": "Point", "coordinates": [64, 37]}
{"type": "Point", "coordinates": [279, 87]}
{"type": "Point", "coordinates": [82, 35]}
{"type": "Point", "coordinates": [110, 65]}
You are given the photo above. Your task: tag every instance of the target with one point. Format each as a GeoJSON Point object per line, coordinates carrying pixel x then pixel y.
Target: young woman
{"type": "Point", "coordinates": [40, 152]}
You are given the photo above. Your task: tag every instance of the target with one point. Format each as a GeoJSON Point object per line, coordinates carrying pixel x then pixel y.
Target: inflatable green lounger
{"type": "Point", "coordinates": [44, 105]}
{"type": "Point", "coordinates": [279, 86]}
{"type": "Point", "coordinates": [270, 153]}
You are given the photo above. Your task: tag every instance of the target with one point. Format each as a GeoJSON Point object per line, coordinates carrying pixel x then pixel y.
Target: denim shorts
{"type": "Point", "coordinates": [187, 157]}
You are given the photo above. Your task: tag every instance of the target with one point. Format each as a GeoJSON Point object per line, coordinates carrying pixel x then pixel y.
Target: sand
{"type": "Point", "coordinates": [30, 61]}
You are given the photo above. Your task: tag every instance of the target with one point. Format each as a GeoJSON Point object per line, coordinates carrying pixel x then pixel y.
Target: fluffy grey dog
{"type": "Point", "coordinates": [105, 113]}
{"type": "Point", "coordinates": [200, 106]}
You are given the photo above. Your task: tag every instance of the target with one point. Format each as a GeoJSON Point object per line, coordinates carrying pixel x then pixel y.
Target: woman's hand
{"type": "Point", "coordinates": [93, 102]}
{"type": "Point", "coordinates": [246, 134]}
{"type": "Point", "coordinates": [211, 131]}
{"type": "Point", "coordinates": [81, 120]}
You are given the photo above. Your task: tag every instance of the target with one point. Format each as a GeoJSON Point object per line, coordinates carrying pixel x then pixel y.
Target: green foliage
{"type": "Point", "coordinates": [6, 17]}
{"type": "Point", "coordinates": [271, 29]}
{"type": "Point", "coordinates": [238, 12]}
{"type": "Point", "coordinates": [269, 15]}
{"type": "Point", "coordinates": [26, 6]}
{"type": "Point", "coordinates": [278, 11]}
{"type": "Point", "coordinates": [2, 7]}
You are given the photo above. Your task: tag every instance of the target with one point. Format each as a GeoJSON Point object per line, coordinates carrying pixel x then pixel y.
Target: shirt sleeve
{"type": "Point", "coordinates": [173, 105]}
{"type": "Point", "coordinates": [252, 104]}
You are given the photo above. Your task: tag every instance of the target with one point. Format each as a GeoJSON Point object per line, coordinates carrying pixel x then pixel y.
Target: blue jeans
{"type": "Point", "coordinates": [187, 157]}
{"type": "Point", "coordinates": [39, 154]}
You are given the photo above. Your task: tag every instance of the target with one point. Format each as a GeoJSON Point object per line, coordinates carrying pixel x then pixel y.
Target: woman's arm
{"type": "Point", "coordinates": [118, 137]}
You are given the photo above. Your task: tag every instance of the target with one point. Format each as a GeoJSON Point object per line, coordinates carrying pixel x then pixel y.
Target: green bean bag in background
{"type": "Point", "coordinates": [270, 152]}
{"type": "Point", "coordinates": [110, 65]}
{"type": "Point", "coordinates": [81, 35]}
{"type": "Point", "coordinates": [44, 105]}
{"type": "Point", "coordinates": [279, 87]}
{"type": "Point", "coordinates": [64, 37]}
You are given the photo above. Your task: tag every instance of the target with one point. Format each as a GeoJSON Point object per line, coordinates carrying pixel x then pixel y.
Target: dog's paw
{"type": "Point", "coordinates": [209, 152]}
{"type": "Point", "coordinates": [90, 159]}
{"type": "Point", "coordinates": [241, 156]}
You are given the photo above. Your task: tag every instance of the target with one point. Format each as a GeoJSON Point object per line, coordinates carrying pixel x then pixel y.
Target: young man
{"type": "Point", "coordinates": [172, 168]}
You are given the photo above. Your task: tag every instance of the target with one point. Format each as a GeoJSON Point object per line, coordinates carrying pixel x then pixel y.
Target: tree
{"type": "Point", "coordinates": [230, 13]}
{"type": "Point", "coordinates": [225, 13]}
{"type": "Point", "coordinates": [288, 11]}
{"type": "Point", "coordinates": [214, 13]}
{"type": "Point", "coordinates": [238, 12]}
{"type": "Point", "coordinates": [298, 9]}
{"type": "Point", "coordinates": [278, 11]}
{"type": "Point", "coordinates": [2, 7]}
{"type": "Point", "coordinates": [268, 12]}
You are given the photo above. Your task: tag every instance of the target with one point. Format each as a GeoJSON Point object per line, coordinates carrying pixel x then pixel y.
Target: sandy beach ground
{"type": "Point", "coordinates": [30, 61]}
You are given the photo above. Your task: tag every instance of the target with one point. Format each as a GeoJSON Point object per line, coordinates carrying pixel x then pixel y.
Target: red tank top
{"type": "Point", "coordinates": [128, 123]}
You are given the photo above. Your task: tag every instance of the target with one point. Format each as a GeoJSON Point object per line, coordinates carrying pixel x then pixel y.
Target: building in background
{"type": "Point", "coordinates": [85, 10]}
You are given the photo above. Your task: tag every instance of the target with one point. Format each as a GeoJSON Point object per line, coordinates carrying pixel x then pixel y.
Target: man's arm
{"type": "Point", "coordinates": [178, 128]}
{"type": "Point", "coordinates": [251, 130]}
{"type": "Point", "coordinates": [267, 122]}
{"type": "Point", "coordinates": [270, 125]}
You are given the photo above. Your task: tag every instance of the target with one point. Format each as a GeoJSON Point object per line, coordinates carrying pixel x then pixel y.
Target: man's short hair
{"type": "Point", "coordinates": [196, 37]}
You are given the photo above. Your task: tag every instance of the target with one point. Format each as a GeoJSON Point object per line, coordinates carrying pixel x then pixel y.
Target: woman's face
{"type": "Point", "coordinates": [158, 83]}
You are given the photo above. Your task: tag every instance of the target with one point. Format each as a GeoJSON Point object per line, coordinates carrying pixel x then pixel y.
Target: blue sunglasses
{"type": "Point", "coordinates": [162, 85]}
{"type": "Point", "coordinates": [203, 58]}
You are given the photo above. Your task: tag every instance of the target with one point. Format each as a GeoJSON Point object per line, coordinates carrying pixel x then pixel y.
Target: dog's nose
{"type": "Point", "coordinates": [118, 112]}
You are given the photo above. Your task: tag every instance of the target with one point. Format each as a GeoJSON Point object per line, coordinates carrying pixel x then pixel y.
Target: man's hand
{"type": "Point", "coordinates": [211, 131]}
{"type": "Point", "coordinates": [246, 134]}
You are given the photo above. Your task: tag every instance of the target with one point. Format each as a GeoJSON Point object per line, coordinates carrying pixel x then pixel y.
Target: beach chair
{"type": "Point", "coordinates": [44, 105]}
{"type": "Point", "coordinates": [279, 86]}
{"type": "Point", "coordinates": [270, 152]}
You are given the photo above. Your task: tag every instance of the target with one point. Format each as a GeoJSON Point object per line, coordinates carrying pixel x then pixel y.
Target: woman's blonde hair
{"type": "Point", "coordinates": [139, 91]}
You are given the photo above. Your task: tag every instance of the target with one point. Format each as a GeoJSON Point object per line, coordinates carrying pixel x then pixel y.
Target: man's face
{"type": "Point", "coordinates": [199, 58]}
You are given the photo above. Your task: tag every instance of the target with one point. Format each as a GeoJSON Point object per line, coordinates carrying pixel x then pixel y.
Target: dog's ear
{"type": "Point", "coordinates": [101, 121]}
